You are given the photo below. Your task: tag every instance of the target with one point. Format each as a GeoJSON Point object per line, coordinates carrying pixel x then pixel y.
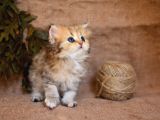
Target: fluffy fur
{"type": "Point", "coordinates": [56, 71]}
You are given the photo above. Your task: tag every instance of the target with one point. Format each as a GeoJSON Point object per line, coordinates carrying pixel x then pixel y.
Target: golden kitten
{"type": "Point", "coordinates": [56, 71]}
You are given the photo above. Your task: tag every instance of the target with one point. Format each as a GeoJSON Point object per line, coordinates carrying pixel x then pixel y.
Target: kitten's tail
{"type": "Point", "coordinates": [26, 83]}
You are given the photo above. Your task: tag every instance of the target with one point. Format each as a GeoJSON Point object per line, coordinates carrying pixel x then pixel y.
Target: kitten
{"type": "Point", "coordinates": [56, 71]}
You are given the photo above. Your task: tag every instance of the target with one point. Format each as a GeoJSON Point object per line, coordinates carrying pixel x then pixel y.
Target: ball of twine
{"type": "Point", "coordinates": [116, 81]}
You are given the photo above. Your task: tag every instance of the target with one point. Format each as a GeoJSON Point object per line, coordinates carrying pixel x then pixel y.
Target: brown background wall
{"type": "Point", "coordinates": [123, 30]}
{"type": "Point", "coordinates": [100, 13]}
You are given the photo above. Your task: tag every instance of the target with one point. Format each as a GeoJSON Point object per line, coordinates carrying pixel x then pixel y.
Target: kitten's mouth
{"type": "Point", "coordinates": [80, 46]}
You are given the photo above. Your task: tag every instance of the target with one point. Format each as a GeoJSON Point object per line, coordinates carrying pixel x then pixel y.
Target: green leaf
{"type": "Point", "coordinates": [10, 30]}
{"type": "Point", "coordinates": [4, 35]}
{"type": "Point", "coordinates": [14, 68]}
{"type": "Point", "coordinates": [30, 18]}
{"type": "Point", "coordinates": [41, 34]}
{"type": "Point", "coordinates": [11, 14]}
{"type": "Point", "coordinates": [18, 50]}
{"type": "Point", "coordinates": [14, 8]}
{"type": "Point", "coordinates": [30, 31]}
{"type": "Point", "coordinates": [9, 56]}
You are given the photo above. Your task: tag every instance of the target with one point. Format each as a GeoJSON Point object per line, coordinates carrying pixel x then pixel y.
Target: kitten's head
{"type": "Point", "coordinates": [72, 41]}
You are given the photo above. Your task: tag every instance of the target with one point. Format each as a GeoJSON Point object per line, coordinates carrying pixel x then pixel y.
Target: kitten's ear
{"type": "Point", "coordinates": [87, 31]}
{"type": "Point", "coordinates": [52, 33]}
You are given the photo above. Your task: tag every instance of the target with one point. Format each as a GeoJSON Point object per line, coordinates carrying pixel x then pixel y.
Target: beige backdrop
{"type": "Point", "coordinates": [100, 13]}
{"type": "Point", "coordinates": [123, 30]}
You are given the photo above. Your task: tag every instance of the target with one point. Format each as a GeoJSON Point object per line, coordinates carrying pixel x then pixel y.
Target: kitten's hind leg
{"type": "Point", "coordinates": [52, 96]}
{"type": "Point", "coordinates": [37, 87]}
{"type": "Point", "coordinates": [69, 99]}
{"type": "Point", "coordinates": [37, 95]}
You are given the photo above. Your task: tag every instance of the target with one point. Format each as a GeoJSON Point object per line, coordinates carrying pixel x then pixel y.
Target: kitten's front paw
{"type": "Point", "coordinates": [51, 102]}
{"type": "Point", "coordinates": [70, 104]}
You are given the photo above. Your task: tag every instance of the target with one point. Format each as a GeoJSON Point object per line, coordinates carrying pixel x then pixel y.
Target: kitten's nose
{"type": "Point", "coordinates": [80, 43]}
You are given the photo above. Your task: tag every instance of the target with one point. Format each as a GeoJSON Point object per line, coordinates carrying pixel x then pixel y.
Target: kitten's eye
{"type": "Point", "coordinates": [82, 38]}
{"type": "Point", "coordinates": [71, 39]}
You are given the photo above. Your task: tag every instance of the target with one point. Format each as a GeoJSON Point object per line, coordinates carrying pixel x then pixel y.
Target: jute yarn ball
{"type": "Point", "coordinates": [116, 81]}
